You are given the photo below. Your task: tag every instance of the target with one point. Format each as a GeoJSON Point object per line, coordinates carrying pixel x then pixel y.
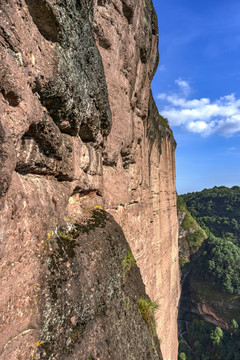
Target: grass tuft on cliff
{"type": "Point", "coordinates": [147, 309]}
{"type": "Point", "coordinates": [128, 261]}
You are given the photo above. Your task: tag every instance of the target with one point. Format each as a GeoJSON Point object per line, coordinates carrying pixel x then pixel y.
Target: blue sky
{"type": "Point", "coordinates": [197, 87]}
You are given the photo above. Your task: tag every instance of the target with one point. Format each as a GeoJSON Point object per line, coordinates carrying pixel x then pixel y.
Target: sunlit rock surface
{"type": "Point", "coordinates": [79, 129]}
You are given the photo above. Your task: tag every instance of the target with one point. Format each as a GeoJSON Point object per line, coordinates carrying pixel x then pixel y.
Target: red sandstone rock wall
{"type": "Point", "coordinates": [139, 164]}
{"type": "Point", "coordinates": [58, 160]}
{"type": "Point", "coordinates": [51, 83]}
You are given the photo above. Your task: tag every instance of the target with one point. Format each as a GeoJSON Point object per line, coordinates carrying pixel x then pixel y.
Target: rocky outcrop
{"type": "Point", "coordinates": [88, 295]}
{"type": "Point", "coordinates": [190, 238]}
{"type": "Point", "coordinates": [202, 298]}
{"type": "Point", "coordinates": [139, 166]}
{"type": "Point", "coordinates": [52, 82]}
{"type": "Point", "coordinates": [71, 140]}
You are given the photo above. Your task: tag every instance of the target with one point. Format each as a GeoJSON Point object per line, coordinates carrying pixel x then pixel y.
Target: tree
{"type": "Point", "coordinates": [216, 335]}
{"type": "Point", "coordinates": [182, 356]}
{"type": "Point", "coordinates": [234, 326]}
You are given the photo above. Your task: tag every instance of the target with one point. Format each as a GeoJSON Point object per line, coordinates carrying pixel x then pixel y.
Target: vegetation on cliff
{"type": "Point", "coordinates": [191, 235]}
{"type": "Point", "coordinates": [93, 286]}
{"type": "Point", "coordinates": [74, 293]}
{"type": "Point", "coordinates": [164, 122]}
{"type": "Point", "coordinates": [205, 341]}
{"type": "Point", "coordinates": [217, 210]}
{"type": "Point", "coordinates": [147, 308]}
{"type": "Point", "coordinates": [212, 288]}
{"type": "Point", "coordinates": [220, 260]}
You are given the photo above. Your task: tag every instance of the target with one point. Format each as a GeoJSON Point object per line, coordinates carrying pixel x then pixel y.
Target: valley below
{"type": "Point", "coordinates": [209, 257]}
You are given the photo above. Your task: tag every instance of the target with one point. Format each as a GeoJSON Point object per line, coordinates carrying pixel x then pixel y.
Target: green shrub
{"type": "Point", "coordinates": [147, 308]}
{"type": "Point", "coordinates": [216, 335]}
{"type": "Point", "coordinates": [189, 222]}
{"type": "Point", "coordinates": [234, 325]}
{"type": "Point", "coordinates": [196, 239]}
{"type": "Point", "coordinates": [128, 261]}
{"type": "Point", "coordinates": [164, 121]}
{"type": "Point", "coordinates": [182, 356]}
{"type": "Point", "coordinates": [182, 263]}
{"type": "Point", "coordinates": [181, 206]}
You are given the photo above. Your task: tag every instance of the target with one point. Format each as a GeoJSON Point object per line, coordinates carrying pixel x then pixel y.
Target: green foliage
{"type": "Point", "coordinates": [181, 206]}
{"type": "Point", "coordinates": [147, 308]}
{"type": "Point", "coordinates": [184, 266]}
{"type": "Point", "coordinates": [189, 222]}
{"type": "Point", "coordinates": [204, 341]}
{"type": "Point", "coordinates": [196, 238]}
{"type": "Point", "coordinates": [222, 259]}
{"type": "Point", "coordinates": [67, 236]}
{"type": "Point", "coordinates": [216, 336]}
{"type": "Point", "coordinates": [182, 263]}
{"type": "Point", "coordinates": [197, 337]}
{"type": "Point", "coordinates": [164, 121]}
{"type": "Point", "coordinates": [218, 209]}
{"type": "Point", "coordinates": [235, 326]}
{"type": "Point", "coordinates": [128, 261]}
{"type": "Point", "coordinates": [182, 356]}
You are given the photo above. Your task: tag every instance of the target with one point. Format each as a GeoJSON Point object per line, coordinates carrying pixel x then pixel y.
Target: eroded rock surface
{"type": "Point", "coordinates": [59, 158]}
{"type": "Point", "coordinates": [139, 165]}
{"type": "Point", "coordinates": [52, 89]}
{"type": "Point", "coordinates": [89, 294]}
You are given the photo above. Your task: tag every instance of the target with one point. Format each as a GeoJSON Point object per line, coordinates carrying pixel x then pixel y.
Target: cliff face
{"type": "Point", "coordinates": [139, 165]}
{"type": "Point", "coordinates": [62, 153]}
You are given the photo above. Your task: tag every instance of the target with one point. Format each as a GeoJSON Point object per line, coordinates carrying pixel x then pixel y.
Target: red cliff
{"type": "Point", "coordinates": [79, 131]}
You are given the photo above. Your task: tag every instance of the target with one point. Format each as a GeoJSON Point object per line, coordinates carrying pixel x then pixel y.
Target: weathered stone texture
{"type": "Point", "coordinates": [51, 84]}
{"type": "Point", "coordinates": [139, 164]}
{"type": "Point", "coordinates": [58, 159]}
{"type": "Point", "coordinates": [89, 297]}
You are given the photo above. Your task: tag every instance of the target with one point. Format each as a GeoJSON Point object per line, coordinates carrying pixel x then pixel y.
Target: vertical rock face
{"type": "Point", "coordinates": [139, 166]}
{"type": "Point", "coordinates": [54, 117]}
{"type": "Point", "coordinates": [59, 158]}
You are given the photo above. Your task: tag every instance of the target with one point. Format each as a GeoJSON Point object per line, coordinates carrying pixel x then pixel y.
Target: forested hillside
{"type": "Point", "coordinates": [209, 310]}
{"type": "Point", "coordinates": [218, 209]}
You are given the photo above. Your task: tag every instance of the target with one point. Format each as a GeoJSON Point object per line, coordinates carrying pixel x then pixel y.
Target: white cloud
{"type": "Point", "coordinates": [201, 115]}
{"type": "Point", "coordinates": [197, 126]}
{"type": "Point", "coordinates": [184, 86]}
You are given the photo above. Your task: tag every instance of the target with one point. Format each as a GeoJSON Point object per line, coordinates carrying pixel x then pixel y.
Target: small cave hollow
{"type": "Point", "coordinates": [44, 18]}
